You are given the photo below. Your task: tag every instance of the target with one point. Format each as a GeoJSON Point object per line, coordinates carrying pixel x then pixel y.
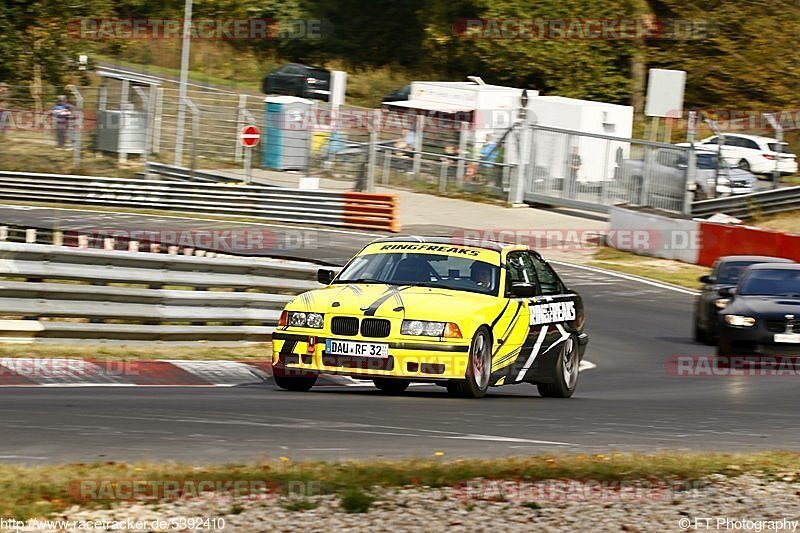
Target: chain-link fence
{"type": "Point", "coordinates": [358, 148]}
{"type": "Point", "coordinates": [586, 170]}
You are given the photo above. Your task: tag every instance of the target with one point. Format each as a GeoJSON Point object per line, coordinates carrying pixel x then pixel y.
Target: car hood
{"type": "Point", "coordinates": [764, 306]}
{"type": "Point", "coordinates": [393, 301]}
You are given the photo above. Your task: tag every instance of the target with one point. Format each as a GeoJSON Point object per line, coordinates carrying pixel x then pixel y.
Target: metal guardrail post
{"type": "Point", "coordinates": [691, 176]}
{"type": "Point", "coordinates": [77, 126]}
{"type": "Point", "coordinates": [462, 149]}
{"type": "Point", "coordinates": [373, 149]}
{"type": "Point", "coordinates": [242, 108]}
{"type": "Point", "coordinates": [418, 145]}
{"type": "Point", "coordinates": [195, 133]}
{"type": "Point", "coordinates": [157, 119]}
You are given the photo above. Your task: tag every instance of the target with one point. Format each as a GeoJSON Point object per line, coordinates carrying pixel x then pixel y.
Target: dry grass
{"type": "Point", "coordinates": [120, 352]}
{"type": "Point", "coordinates": [788, 222]}
{"type": "Point", "coordinates": [27, 492]}
{"type": "Point", "coordinates": [665, 270]}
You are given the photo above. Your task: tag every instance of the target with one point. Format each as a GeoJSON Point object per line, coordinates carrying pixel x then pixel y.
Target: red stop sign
{"type": "Point", "coordinates": [249, 136]}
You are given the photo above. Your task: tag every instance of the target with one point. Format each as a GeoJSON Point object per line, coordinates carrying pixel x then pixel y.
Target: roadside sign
{"type": "Point", "coordinates": [249, 136]}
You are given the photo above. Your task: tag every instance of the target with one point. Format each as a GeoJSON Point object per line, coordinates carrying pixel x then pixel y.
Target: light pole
{"type": "Point", "coordinates": [516, 192]}
{"type": "Point", "coordinates": [187, 39]}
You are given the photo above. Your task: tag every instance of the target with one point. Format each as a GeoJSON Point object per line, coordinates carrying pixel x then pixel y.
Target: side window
{"type": "Point", "coordinates": [548, 280]}
{"type": "Point", "coordinates": [520, 269]}
{"type": "Point", "coordinates": [749, 143]}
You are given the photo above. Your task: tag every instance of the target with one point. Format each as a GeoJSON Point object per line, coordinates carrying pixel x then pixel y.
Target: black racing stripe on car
{"type": "Point", "coordinates": [496, 320]}
{"type": "Point", "coordinates": [428, 347]}
{"type": "Point", "coordinates": [373, 308]}
{"type": "Point", "coordinates": [511, 324]}
{"type": "Point", "coordinates": [288, 347]}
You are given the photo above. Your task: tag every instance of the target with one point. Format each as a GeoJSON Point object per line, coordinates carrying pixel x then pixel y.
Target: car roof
{"type": "Point", "coordinates": [756, 138]}
{"type": "Point", "coordinates": [758, 258]}
{"type": "Point", "coordinates": [455, 241]}
{"type": "Point", "coordinates": [774, 266]}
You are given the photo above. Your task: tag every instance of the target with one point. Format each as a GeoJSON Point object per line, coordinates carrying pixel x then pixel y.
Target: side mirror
{"type": "Point", "coordinates": [707, 279]}
{"type": "Point", "coordinates": [523, 290]}
{"type": "Point", "coordinates": [727, 292]}
{"type": "Point", "coordinates": [325, 276]}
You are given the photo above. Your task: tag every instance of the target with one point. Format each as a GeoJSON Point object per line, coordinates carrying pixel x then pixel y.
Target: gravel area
{"type": "Point", "coordinates": [718, 503]}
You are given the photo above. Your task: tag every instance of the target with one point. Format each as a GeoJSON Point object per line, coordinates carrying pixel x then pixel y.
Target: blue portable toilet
{"type": "Point", "coordinates": [287, 133]}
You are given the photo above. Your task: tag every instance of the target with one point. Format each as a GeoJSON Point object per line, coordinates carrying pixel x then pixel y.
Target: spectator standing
{"type": "Point", "coordinates": [61, 112]}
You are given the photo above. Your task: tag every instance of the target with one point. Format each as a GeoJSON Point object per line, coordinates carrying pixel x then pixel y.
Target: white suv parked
{"type": "Point", "coordinates": [757, 154]}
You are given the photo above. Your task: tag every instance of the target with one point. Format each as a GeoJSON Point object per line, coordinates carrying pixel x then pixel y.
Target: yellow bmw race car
{"type": "Point", "coordinates": [466, 315]}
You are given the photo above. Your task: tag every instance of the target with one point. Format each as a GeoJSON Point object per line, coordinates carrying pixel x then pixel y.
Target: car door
{"type": "Point", "coordinates": [542, 322]}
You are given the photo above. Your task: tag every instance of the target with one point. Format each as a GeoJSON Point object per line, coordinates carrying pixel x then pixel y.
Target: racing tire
{"type": "Point", "coordinates": [565, 377]}
{"type": "Point", "coordinates": [702, 336]}
{"type": "Point", "coordinates": [744, 164]}
{"type": "Point", "coordinates": [391, 386]}
{"type": "Point", "coordinates": [479, 368]}
{"type": "Point", "coordinates": [295, 384]}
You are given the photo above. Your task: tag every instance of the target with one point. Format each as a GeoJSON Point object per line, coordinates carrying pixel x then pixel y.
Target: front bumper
{"type": "Point", "coordinates": [419, 360]}
{"type": "Point", "coordinates": [756, 340]}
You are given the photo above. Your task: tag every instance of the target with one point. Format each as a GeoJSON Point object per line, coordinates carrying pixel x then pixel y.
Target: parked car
{"type": "Point", "coordinates": [757, 154]}
{"type": "Point", "coordinates": [724, 274]}
{"type": "Point", "coordinates": [667, 174]}
{"type": "Point", "coordinates": [398, 95]}
{"type": "Point", "coordinates": [295, 79]}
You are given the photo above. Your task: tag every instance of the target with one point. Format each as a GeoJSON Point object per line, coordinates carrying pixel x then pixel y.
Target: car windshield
{"type": "Point", "coordinates": [771, 282]}
{"type": "Point", "coordinates": [426, 270]}
{"type": "Point", "coordinates": [729, 272]}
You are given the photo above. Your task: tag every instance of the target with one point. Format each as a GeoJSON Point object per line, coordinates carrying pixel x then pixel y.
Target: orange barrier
{"type": "Point", "coordinates": [717, 240]}
{"type": "Point", "coordinates": [371, 211]}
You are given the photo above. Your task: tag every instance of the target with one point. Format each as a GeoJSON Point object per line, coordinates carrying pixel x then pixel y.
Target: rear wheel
{"type": "Point", "coordinates": [296, 384]}
{"type": "Point", "coordinates": [479, 368]}
{"type": "Point", "coordinates": [744, 165]}
{"type": "Point", "coordinates": [566, 372]}
{"type": "Point", "coordinates": [391, 386]}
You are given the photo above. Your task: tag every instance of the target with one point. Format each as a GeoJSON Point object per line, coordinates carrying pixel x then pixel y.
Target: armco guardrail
{"type": "Point", "coordinates": [344, 209]}
{"type": "Point", "coordinates": [747, 205]}
{"type": "Point", "coordinates": [186, 174]}
{"type": "Point", "coordinates": [60, 292]}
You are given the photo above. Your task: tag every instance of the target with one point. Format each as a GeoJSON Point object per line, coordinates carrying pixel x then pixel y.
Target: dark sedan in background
{"type": "Point", "coordinates": [763, 316]}
{"type": "Point", "coordinates": [724, 274]}
{"type": "Point", "coordinates": [295, 79]}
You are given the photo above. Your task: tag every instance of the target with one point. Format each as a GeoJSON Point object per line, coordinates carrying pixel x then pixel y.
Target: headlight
{"type": "Point", "coordinates": [722, 303]}
{"type": "Point", "coordinates": [314, 320]}
{"type": "Point", "coordinates": [308, 320]}
{"type": "Point", "coordinates": [739, 320]}
{"type": "Point", "coordinates": [430, 329]}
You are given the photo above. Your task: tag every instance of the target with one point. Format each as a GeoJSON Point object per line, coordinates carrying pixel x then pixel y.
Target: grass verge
{"type": "Point", "coordinates": [27, 492]}
{"type": "Point", "coordinates": [788, 222]}
{"type": "Point", "coordinates": [657, 269]}
{"type": "Point", "coordinates": [118, 352]}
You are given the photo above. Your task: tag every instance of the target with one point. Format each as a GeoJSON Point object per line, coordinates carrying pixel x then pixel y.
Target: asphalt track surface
{"type": "Point", "coordinates": [629, 402]}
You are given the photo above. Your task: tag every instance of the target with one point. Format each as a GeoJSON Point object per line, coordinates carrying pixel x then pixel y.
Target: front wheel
{"type": "Point", "coordinates": [295, 384]}
{"type": "Point", "coordinates": [565, 378]}
{"type": "Point", "coordinates": [479, 368]}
